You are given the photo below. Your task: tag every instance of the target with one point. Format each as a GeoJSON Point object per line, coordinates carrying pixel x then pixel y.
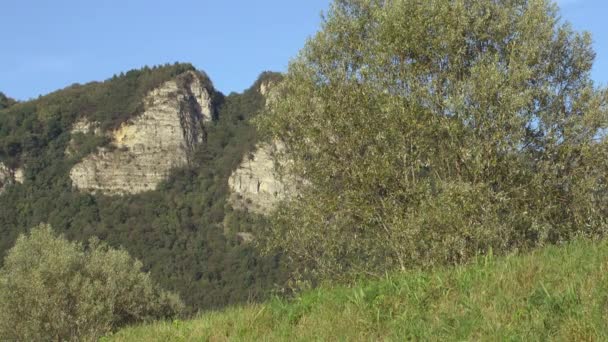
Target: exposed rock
{"type": "Point", "coordinates": [255, 185]}
{"type": "Point", "coordinates": [200, 94]}
{"type": "Point", "coordinates": [269, 90]}
{"type": "Point", "coordinates": [82, 126]}
{"type": "Point", "coordinates": [9, 177]}
{"type": "Point", "coordinates": [265, 87]}
{"type": "Point", "coordinates": [85, 126]}
{"type": "Point", "coordinates": [19, 176]}
{"type": "Point", "coordinates": [143, 150]}
{"type": "Point", "coordinates": [5, 177]}
{"type": "Point", "coordinates": [245, 238]}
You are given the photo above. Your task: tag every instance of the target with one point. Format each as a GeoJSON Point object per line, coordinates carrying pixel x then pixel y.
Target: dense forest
{"type": "Point", "coordinates": [184, 232]}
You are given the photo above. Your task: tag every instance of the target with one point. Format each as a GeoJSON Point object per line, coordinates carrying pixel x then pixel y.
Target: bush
{"type": "Point", "coordinates": [54, 289]}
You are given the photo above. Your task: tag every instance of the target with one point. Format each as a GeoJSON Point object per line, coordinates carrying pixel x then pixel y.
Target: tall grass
{"type": "Point", "coordinates": [557, 293]}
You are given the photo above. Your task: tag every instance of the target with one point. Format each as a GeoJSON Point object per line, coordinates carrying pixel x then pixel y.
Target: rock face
{"type": "Point", "coordinates": [19, 176]}
{"type": "Point", "coordinates": [265, 88]}
{"type": "Point", "coordinates": [143, 150]}
{"type": "Point", "coordinates": [82, 126]}
{"type": "Point", "coordinates": [268, 89]}
{"type": "Point", "coordinates": [9, 177]}
{"type": "Point", "coordinates": [255, 185]}
{"type": "Point", "coordinates": [85, 126]}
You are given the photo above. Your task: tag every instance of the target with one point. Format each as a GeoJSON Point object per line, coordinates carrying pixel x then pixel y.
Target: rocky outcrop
{"type": "Point", "coordinates": [244, 237]}
{"type": "Point", "coordinates": [145, 149]}
{"type": "Point", "coordinates": [9, 177]}
{"type": "Point", "coordinates": [255, 185]}
{"type": "Point", "coordinates": [269, 90]}
{"type": "Point", "coordinates": [265, 87]}
{"type": "Point", "coordinates": [85, 126]}
{"type": "Point", "coordinates": [19, 176]}
{"type": "Point", "coordinates": [82, 126]}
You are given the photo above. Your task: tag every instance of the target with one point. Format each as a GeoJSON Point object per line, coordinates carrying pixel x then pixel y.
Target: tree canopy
{"type": "Point", "coordinates": [6, 101]}
{"type": "Point", "coordinates": [431, 131]}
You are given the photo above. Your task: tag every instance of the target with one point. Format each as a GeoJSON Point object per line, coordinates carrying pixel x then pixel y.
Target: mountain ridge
{"type": "Point", "coordinates": [183, 229]}
{"type": "Point", "coordinates": [5, 101]}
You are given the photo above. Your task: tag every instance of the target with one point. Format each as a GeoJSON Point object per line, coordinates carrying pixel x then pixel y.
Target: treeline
{"type": "Point", "coordinates": [27, 129]}
{"type": "Point", "coordinates": [6, 101]}
{"type": "Point", "coordinates": [184, 233]}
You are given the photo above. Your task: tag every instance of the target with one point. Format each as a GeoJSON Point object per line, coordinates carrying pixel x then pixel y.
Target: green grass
{"type": "Point", "coordinates": [557, 293]}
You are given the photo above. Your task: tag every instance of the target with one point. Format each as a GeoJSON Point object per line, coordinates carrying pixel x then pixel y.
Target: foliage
{"type": "Point", "coordinates": [431, 131]}
{"type": "Point", "coordinates": [517, 298]}
{"type": "Point", "coordinates": [53, 289]}
{"type": "Point", "coordinates": [184, 233]}
{"type": "Point", "coordinates": [27, 129]}
{"type": "Point", "coordinates": [6, 101]}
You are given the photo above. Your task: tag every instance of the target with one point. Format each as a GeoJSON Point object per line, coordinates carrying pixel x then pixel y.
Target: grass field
{"type": "Point", "coordinates": [556, 293]}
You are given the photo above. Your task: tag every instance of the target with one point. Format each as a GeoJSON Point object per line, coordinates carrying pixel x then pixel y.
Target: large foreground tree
{"type": "Point", "coordinates": [431, 131]}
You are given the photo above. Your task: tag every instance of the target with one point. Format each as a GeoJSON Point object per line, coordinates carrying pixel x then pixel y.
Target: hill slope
{"type": "Point", "coordinates": [558, 293]}
{"type": "Point", "coordinates": [5, 101]}
{"type": "Point", "coordinates": [182, 228]}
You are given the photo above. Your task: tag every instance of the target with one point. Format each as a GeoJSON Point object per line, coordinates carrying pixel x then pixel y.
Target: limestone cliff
{"type": "Point", "coordinates": [82, 126]}
{"type": "Point", "coordinates": [255, 185]}
{"type": "Point", "coordinates": [144, 149]}
{"type": "Point", "coordinates": [269, 90]}
{"type": "Point", "coordinates": [9, 176]}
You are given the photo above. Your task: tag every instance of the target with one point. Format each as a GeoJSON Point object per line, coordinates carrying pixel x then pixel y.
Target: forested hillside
{"type": "Point", "coordinates": [184, 231]}
{"type": "Point", "coordinates": [5, 101]}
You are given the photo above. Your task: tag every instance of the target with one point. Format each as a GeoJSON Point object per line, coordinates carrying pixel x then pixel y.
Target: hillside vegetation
{"type": "Point", "coordinates": [6, 101]}
{"type": "Point", "coordinates": [556, 293]}
{"type": "Point", "coordinates": [184, 233]}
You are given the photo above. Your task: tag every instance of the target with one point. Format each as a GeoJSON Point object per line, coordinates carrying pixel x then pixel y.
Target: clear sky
{"type": "Point", "coordinates": [50, 44]}
{"type": "Point", "coordinates": [592, 16]}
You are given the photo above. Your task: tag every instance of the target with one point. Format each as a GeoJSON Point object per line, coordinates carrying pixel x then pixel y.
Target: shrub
{"type": "Point", "coordinates": [54, 289]}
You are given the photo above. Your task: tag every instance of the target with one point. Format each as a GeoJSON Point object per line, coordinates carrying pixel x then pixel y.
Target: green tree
{"type": "Point", "coordinates": [431, 131]}
{"type": "Point", "coordinates": [53, 289]}
{"type": "Point", "coordinates": [6, 101]}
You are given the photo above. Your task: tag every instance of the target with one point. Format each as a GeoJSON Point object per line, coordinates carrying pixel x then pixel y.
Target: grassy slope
{"type": "Point", "coordinates": [555, 293]}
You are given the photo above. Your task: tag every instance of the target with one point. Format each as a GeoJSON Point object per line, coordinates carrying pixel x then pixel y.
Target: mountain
{"type": "Point", "coordinates": [143, 161]}
{"type": "Point", "coordinates": [147, 147]}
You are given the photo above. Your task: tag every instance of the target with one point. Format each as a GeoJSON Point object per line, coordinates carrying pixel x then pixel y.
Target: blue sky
{"type": "Point", "coordinates": [592, 16]}
{"type": "Point", "coordinates": [48, 45]}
